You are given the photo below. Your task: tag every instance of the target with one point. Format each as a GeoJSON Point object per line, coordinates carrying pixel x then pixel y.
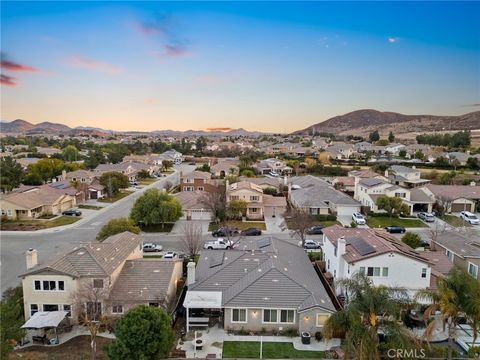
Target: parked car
{"type": "Point", "coordinates": [151, 247]}
{"type": "Point", "coordinates": [219, 244]}
{"type": "Point", "coordinates": [470, 218]}
{"type": "Point", "coordinates": [169, 255]}
{"type": "Point", "coordinates": [133, 183]}
{"type": "Point", "coordinates": [311, 244]}
{"type": "Point", "coordinates": [395, 229]}
{"type": "Point", "coordinates": [72, 212]}
{"type": "Point", "coordinates": [358, 218]}
{"type": "Point", "coordinates": [315, 230]}
{"type": "Point", "coordinates": [223, 232]}
{"type": "Point", "coordinates": [273, 173]}
{"type": "Point", "coordinates": [426, 216]}
{"type": "Point", "coordinates": [251, 232]}
{"type": "Point", "coordinates": [192, 163]}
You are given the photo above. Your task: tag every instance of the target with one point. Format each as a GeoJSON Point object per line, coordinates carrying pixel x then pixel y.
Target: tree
{"type": "Point", "coordinates": [46, 169]}
{"type": "Point", "coordinates": [302, 221]}
{"type": "Point", "coordinates": [369, 309]}
{"type": "Point", "coordinates": [143, 174]}
{"type": "Point", "coordinates": [144, 332]}
{"type": "Point", "coordinates": [442, 161]}
{"type": "Point", "coordinates": [95, 158]}
{"type": "Point", "coordinates": [156, 207]}
{"type": "Point", "coordinates": [192, 239]}
{"type": "Point", "coordinates": [70, 153]}
{"type": "Point", "coordinates": [248, 173]}
{"type": "Point", "coordinates": [447, 178]}
{"type": "Point", "coordinates": [391, 137]}
{"type": "Point", "coordinates": [117, 226]}
{"type": "Point", "coordinates": [411, 239]}
{"type": "Point", "coordinates": [374, 136]}
{"type": "Point", "coordinates": [215, 202]}
{"type": "Point", "coordinates": [113, 181]}
{"type": "Point", "coordinates": [201, 143]}
{"type": "Point", "coordinates": [270, 191]}
{"type": "Point", "coordinates": [236, 209]}
{"type": "Point", "coordinates": [392, 205]}
{"type": "Point", "coordinates": [11, 173]}
{"type": "Point", "coordinates": [167, 164]}
{"type": "Point", "coordinates": [204, 168]}
{"type": "Point", "coordinates": [419, 155]}
{"type": "Point", "coordinates": [473, 163]}
{"type": "Point", "coordinates": [11, 319]}
{"type": "Point", "coordinates": [402, 153]}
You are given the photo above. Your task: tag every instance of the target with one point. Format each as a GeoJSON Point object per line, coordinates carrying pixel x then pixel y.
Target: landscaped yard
{"type": "Point", "coordinates": [29, 225]}
{"type": "Point", "coordinates": [157, 228]}
{"type": "Point", "coordinates": [239, 224]}
{"type": "Point", "coordinates": [382, 221]}
{"type": "Point", "coordinates": [116, 197]}
{"type": "Point", "coordinates": [271, 350]}
{"type": "Point", "coordinates": [147, 181]}
{"type": "Point", "coordinates": [89, 207]}
{"type": "Point", "coordinates": [455, 221]}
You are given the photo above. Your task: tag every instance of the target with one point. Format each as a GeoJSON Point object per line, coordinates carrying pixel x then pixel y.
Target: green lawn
{"type": "Point", "coordinates": [116, 197]}
{"type": "Point", "coordinates": [382, 221]}
{"type": "Point", "coordinates": [89, 207]}
{"type": "Point", "coordinates": [453, 220]}
{"type": "Point", "coordinates": [239, 224]}
{"type": "Point", "coordinates": [24, 225]}
{"type": "Point", "coordinates": [271, 350]}
{"type": "Point", "coordinates": [147, 181]}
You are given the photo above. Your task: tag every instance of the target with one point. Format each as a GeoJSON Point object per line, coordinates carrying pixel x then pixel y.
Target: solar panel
{"type": "Point", "coordinates": [216, 259]}
{"type": "Point", "coordinates": [264, 243]}
{"type": "Point", "coordinates": [362, 247]}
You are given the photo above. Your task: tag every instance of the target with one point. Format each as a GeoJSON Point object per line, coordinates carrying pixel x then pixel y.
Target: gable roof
{"type": "Point", "coordinates": [462, 246]}
{"type": "Point", "coordinates": [245, 185]}
{"type": "Point", "coordinates": [197, 175]}
{"type": "Point", "coordinates": [267, 272]}
{"type": "Point", "coordinates": [191, 199]}
{"type": "Point", "coordinates": [452, 192]}
{"type": "Point", "coordinates": [35, 197]}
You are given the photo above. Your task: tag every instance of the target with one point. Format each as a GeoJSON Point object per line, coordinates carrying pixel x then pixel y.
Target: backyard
{"type": "Point", "coordinates": [271, 350]}
{"type": "Point", "coordinates": [239, 224]}
{"type": "Point", "coordinates": [382, 221]}
{"type": "Point", "coordinates": [28, 225]}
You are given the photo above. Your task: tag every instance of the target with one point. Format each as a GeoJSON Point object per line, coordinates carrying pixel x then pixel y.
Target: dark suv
{"type": "Point", "coordinates": [222, 232]}
{"type": "Point", "coordinates": [72, 212]}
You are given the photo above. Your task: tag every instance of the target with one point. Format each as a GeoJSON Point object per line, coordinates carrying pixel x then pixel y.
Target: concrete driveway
{"type": "Point", "coordinates": [179, 226]}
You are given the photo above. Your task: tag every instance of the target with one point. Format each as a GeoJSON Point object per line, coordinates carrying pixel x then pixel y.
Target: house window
{"type": "Point", "coordinates": [234, 197]}
{"type": "Point", "coordinates": [373, 271]}
{"type": "Point", "coordinates": [400, 195]}
{"type": "Point", "coordinates": [328, 264]}
{"type": "Point", "coordinates": [49, 285]}
{"type": "Point", "coordinates": [322, 319]}
{"type": "Point", "coordinates": [50, 307]}
{"type": "Point", "coordinates": [362, 270]}
{"type": "Point", "coordinates": [239, 315]}
{"type": "Point", "coordinates": [117, 309]}
{"type": "Point", "coordinates": [254, 198]}
{"type": "Point", "coordinates": [269, 316]}
{"type": "Point", "coordinates": [335, 251]}
{"type": "Point", "coordinates": [94, 310]}
{"type": "Point", "coordinates": [98, 283]}
{"type": "Point", "coordinates": [424, 272]}
{"type": "Point", "coordinates": [385, 271]}
{"type": "Point", "coordinates": [200, 188]}
{"type": "Point", "coordinates": [449, 255]}
{"type": "Point", "coordinates": [473, 270]}
{"type": "Point", "coordinates": [253, 210]}
{"type": "Point", "coordinates": [68, 309]}
{"type": "Point", "coordinates": [33, 309]}
{"type": "Point", "coordinates": [37, 285]}
{"type": "Point", "coordinates": [287, 316]}
{"type": "Point", "coordinates": [61, 285]}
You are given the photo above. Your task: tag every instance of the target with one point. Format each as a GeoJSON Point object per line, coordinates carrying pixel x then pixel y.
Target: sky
{"type": "Point", "coordinates": [263, 66]}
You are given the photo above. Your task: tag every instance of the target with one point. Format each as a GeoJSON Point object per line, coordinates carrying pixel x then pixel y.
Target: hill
{"type": "Point", "coordinates": [362, 122]}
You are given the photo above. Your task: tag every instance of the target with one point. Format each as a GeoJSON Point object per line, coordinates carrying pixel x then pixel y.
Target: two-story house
{"type": "Point", "coordinates": [113, 270]}
{"type": "Point", "coordinates": [197, 181]}
{"type": "Point", "coordinates": [272, 165]}
{"type": "Point", "coordinates": [405, 176]}
{"type": "Point", "coordinates": [129, 169]}
{"type": "Point", "coordinates": [383, 258]}
{"type": "Point", "coordinates": [172, 155]}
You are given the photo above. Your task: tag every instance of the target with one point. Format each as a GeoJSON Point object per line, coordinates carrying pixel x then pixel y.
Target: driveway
{"type": "Point", "coordinates": [179, 226]}
{"type": "Point", "coordinates": [274, 225]}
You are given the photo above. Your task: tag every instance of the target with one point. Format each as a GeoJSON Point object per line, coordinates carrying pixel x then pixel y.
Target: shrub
{"type": "Point", "coordinates": [318, 336]}
{"type": "Point", "coordinates": [412, 240]}
{"type": "Point", "coordinates": [474, 352]}
{"type": "Point", "coordinates": [315, 256]}
{"type": "Point", "coordinates": [325, 217]}
{"type": "Point", "coordinates": [270, 191]}
{"type": "Point", "coordinates": [353, 224]}
{"type": "Point", "coordinates": [290, 332]}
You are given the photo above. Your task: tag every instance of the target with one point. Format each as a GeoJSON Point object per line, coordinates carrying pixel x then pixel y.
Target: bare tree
{"type": "Point", "coordinates": [168, 186]}
{"type": "Point", "coordinates": [301, 220]}
{"type": "Point", "coordinates": [192, 239]}
{"type": "Point", "coordinates": [87, 302]}
{"type": "Point", "coordinates": [215, 202]}
{"type": "Point", "coordinates": [434, 232]}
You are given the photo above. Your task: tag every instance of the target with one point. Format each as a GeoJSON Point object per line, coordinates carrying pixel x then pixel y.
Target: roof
{"type": "Point", "coordinates": [363, 173]}
{"type": "Point", "coordinates": [225, 165]}
{"type": "Point", "coordinates": [461, 245]}
{"type": "Point", "coordinates": [245, 185]}
{"type": "Point", "coordinates": [452, 192]}
{"type": "Point", "coordinates": [370, 182]}
{"type": "Point", "coordinates": [277, 201]}
{"type": "Point", "coordinates": [35, 197]}
{"type": "Point", "coordinates": [441, 264]}
{"type": "Point", "coordinates": [80, 174]}
{"type": "Point", "coordinates": [203, 300]}
{"type": "Point", "coordinates": [420, 196]}
{"type": "Point", "coordinates": [264, 181]}
{"type": "Point", "coordinates": [402, 169]}
{"type": "Point", "coordinates": [380, 242]}
{"type": "Point", "coordinates": [143, 280]}
{"type": "Point", "coordinates": [93, 259]}
{"type": "Point", "coordinates": [266, 272]}
{"type": "Point", "coordinates": [191, 199]}
{"type": "Point", "coordinates": [45, 319]}
{"type": "Point", "coordinates": [345, 180]}
{"type": "Point", "coordinates": [197, 175]}
{"type": "Point", "coordinates": [121, 166]}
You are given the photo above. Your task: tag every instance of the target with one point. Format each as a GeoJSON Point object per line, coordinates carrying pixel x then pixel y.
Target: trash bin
{"type": "Point", "coordinates": [306, 338]}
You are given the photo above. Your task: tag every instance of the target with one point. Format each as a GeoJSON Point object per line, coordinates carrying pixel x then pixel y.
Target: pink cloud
{"type": "Point", "coordinates": [7, 80]}
{"type": "Point", "coordinates": [95, 65]}
{"type": "Point", "coordinates": [12, 66]}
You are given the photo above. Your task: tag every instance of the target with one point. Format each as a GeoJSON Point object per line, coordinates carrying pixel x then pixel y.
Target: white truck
{"type": "Point", "coordinates": [219, 244]}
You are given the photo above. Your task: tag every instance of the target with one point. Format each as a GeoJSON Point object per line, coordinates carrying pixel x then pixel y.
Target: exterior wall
{"type": "Point", "coordinates": [461, 205]}
{"type": "Point", "coordinates": [255, 321]}
{"type": "Point", "coordinates": [460, 261]}
{"type": "Point", "coordinates": [307, 320]}
{"type": "Point", "coordinates": [245, 194]}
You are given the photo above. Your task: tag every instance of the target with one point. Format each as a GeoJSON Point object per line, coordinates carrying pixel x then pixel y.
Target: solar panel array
{"type": "Point", "coordinates": [216, 259]}
{"type": "Point", "coordinates": [264, 243]}
{"type": "Point", "coordinates": [361, 246]}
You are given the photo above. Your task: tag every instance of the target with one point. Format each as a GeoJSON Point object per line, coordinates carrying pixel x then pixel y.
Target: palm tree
{"type": "Point", "coordinates": [370, 309]}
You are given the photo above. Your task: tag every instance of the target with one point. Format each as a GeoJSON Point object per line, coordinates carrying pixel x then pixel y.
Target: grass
{"type": "Point", "coordinates": [116, 197]}
{"type": "Point", "coordinates": [271, 350]}
{"type": "Point", "coordinates": [239, 224]}
{"type": "Point", "coordinates": [89, 207]}
{"type": "Point", "coordinates": [147, 181]}
{"type": "Point", "coordinates": [382, 221]}
{"type": "Point", "coordinates": [29, 225]}
{"type": "Point", "coordinates": [455, 221]}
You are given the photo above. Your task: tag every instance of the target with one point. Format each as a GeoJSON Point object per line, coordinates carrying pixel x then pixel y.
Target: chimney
{"type": "Point", "coordinates": [32, 258]}
{"type": "Point", "coordinates": [386, 173]}
{"type": "Point", "coordinates": [341, 244]}
{"type": "Point", "coordinates": [190, 273]}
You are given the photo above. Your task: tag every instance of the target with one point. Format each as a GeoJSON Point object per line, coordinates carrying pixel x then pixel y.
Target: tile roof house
{"type": "Point", "coordinates": [262, 284]}
{"type": "Point", "coordinates": [194, 205]}
{"type": "Point", "coordinates": [197, 181]}
{"type": "Point", "coordinates": [114, 269]}
{"type": "Point", "coordinates": [456, 198]}
{"type": "Point", "coordinates": [225, 167]}
{"type": "Point", "coordinates": [386, 260]}
{"type": "Point", "coordinates": [272, 165]}
{"type": "Point", "coordinates": [129, 169]}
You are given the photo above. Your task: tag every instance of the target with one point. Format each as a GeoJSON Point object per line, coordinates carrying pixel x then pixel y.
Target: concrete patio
{"type": "Point", "coordinates": [214, 337]}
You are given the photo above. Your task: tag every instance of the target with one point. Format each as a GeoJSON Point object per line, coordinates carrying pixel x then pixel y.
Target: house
{"type": "Point", "coordinates": [267, 182]}
{"type": "Point", "coordinates": [225, 167]}
{"type": "Point", "coordinates": [319, 197]}
{"type": "Point", "coordinates": [150, 159]}
{"type": "Point", "coordinates": [35, 202]}
{"type": "Point", "coordinates": [48, 151]}
{"type": "Point", "coordinates": [455, 198]}
{"type": "Point", "coordinates": [459, 157]}
{"type": "Point", "coordinates": [394, 149]}
{"type": "Point", "coordinates": [272, 165]}
{"type": "Point", "coordinates": [197, 181]}
{"type": "Point", "coordinates": [344, 183]}
{"type": "Point", "coordinates": [461, 250]}
{"type": "Point", "coordinates": [113, 270]}
{"type": "Point", "coordinates": [441, 266]}
{"type": "Point", "coordinates": [92, 188]}
{"type": "Point", "coordinates": [405, 176]}
{"type": "Point", "coordinates": [81, 176]}
{"type": "Point", "coordinates": [259, 204]}
{"type": "Point", "coordinates": [340, 151]}
{"type": "Point", "coordinates": [383, 258]}
{"type": "Point", "coordinates": [193, 205]}
{"type": "Point", "coordinates": [129, 169]}
{"type": "Point", "coordinates": [172, 155]}
{"type": "Point", "coordinates": [266, 284]}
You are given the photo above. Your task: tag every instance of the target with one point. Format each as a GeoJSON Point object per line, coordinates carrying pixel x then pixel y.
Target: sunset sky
{"type": "Point", "coordinates": [258, 65]}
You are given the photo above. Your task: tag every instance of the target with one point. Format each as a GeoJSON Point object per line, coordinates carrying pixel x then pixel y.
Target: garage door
{"type": "Point", "coordinates": [347, 210]}
{"type": "Point", "coordinates": [461, 207]}
{"type": "Point", "coordinates": [201, 215]}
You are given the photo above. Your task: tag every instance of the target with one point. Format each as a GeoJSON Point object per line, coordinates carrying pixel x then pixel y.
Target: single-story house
{"type": "Point", "coordinates": [193, 205]}
{"type": "Point", "coordinates": [456, 198]}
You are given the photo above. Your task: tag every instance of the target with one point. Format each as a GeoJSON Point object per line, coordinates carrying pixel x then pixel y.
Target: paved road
{"type": "Point", "coordinates": [54, 242]}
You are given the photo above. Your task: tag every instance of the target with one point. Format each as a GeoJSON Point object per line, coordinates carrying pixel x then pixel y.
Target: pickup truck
{"type": "Point", "coordinates": [150, 247]}
{"type": "Point", "coordinates": [219, 244]}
